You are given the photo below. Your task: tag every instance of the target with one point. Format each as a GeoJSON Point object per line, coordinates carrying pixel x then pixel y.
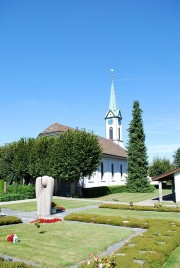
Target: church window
{"type": "Point", "coordinates": [102, 170]}
{"type": "Point", "coordinates": [111, 133]}
{"type": "Point", "coordinates": [121, 169]}
{"type": "Point", "coordinates": [112, 170]}
{"type": "Point", "coordinates": [119, 133]}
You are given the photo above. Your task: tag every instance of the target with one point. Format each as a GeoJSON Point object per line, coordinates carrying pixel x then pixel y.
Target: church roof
{"type": "Point", "coordinates": [109, 147]}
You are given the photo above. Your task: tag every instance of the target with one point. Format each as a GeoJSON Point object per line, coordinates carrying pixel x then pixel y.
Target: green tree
{"type": "Point", "coordinates": [176, 157]}
{"type": "Point", "coordinates": [137, 154]}
{"type": "Point", "coordinates": [74, 154]}
{"type": "Point", "coordinates": [159, 166]}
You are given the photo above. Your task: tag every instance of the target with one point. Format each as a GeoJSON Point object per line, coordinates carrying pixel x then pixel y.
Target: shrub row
{"type": "Point", "coordinates": [101, 191]}
{"type": "Point", "coordinates": [150, 249]}
{"type": "Point", "coordinates": [6, 220]}
{"type": "Point", "coordinates": [142, 208]}
{"type": "Point", "coordinates": [9, 264]}
{"type": "Point", "coordinates": [18, 192]}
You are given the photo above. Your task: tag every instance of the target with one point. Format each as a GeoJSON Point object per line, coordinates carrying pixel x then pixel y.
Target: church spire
{"type": "Point", "coordinates": [113, 117]}
{"type": "Point", "coordinates": [112, 102]}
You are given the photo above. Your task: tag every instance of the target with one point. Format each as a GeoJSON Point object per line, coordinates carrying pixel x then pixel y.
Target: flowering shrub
{"type": "Point", "coordinates": [104, 262]}
{"type": "Point", "coordinates": [42, 220]}
{"type": "Point", "coordinates": [9, 238]}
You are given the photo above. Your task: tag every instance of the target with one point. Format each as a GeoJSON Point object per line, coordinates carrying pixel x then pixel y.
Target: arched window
{"type": "Point", "coordinates": [112, 170]}
{"type": "Point", "coordinates": [121, 170]}
{"type": "Point", "coordinates": [111, 133]}
{"type": "Point", "coordinates": [102, 170]}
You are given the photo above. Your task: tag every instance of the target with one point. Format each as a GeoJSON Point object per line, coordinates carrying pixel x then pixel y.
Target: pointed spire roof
{"type": "Point", "coordinates": [113, 106]}
{"type": "Point", "coordinates": [113, 103]}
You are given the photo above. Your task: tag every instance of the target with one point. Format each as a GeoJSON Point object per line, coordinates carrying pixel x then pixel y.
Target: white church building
{"type": "Point", "coordinates": [113, 166]}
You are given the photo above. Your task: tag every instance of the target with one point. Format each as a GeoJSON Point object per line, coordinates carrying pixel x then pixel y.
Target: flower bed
{"type": "Point", "coordinates": [42, 220]}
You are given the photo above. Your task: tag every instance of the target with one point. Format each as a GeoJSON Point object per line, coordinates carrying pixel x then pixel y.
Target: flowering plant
{"type": "Point", "coordinates": [104, 262]}
{"type": "Point", "coordinates": [9, 238]}
{"type": "Point", "coordinates": [61, 208]}
{"type": "Point", "coordinates": [42, 220]}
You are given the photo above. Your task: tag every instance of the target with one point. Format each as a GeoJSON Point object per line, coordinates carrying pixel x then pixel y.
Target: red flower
{"type": "Point", "coordinates": [42, 220]}
{"type": "Point", "coordinates": [9, 238]}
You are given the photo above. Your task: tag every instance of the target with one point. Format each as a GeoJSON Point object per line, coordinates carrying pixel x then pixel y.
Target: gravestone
{"type": "Point", "coordinates": [44, 194]}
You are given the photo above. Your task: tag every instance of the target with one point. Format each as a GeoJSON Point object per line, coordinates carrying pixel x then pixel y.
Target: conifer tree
{"type": "Point", "coordinates": [137, 154]}
{"type": "Point", "coordinates": [176, 157]}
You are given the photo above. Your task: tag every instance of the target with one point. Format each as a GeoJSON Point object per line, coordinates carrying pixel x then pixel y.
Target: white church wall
{"type": "Point", "coordinates": [109, 177]}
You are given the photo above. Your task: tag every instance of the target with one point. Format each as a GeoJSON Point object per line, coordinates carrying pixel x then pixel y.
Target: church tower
{"type": "Point", "coordinates": [113, 118]}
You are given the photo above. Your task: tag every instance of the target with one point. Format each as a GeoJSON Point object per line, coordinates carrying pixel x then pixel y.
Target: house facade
{"type": "Point", "coordinates": [113, 167]}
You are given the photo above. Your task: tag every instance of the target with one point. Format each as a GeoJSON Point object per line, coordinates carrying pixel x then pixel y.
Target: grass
{"type": "Point", "coordinates": [174, 259]}
{"type": "Point", "coordinates": [134, 213]}
{"type": "Point", "coordinates": [59, 244]}
{"type": "Point", "coordinates": [31, 205]}
{"type": "Point", "coordinates": [132, 197]}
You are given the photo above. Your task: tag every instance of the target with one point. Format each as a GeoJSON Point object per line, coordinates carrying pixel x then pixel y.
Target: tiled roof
{"type": "Point", "coordinates": [109, 147]}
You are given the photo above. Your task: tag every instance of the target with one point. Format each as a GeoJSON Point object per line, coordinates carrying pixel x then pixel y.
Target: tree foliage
{"type": "Point", "coordinates": [137, 154]}
{"type": "Point", "coordinates": [176, 157]}
{"type": "Point", "coordinates": [159, 166]}
{"type": "Point", "coordinates": [70, 156]}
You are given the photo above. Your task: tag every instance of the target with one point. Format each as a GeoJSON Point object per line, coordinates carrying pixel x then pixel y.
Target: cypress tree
{"type": "Point", "coordinates": [137, 154]}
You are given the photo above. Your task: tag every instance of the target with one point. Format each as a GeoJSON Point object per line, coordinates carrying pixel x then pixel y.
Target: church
{"type": "Point", "coordinates": [113, 167]}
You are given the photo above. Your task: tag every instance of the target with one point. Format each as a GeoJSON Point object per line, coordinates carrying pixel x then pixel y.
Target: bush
{"type": "Point", "coordinates": [18, 192]}
{"type": "Point", "coordinates": [101, 191]}
{"type": "Point", "coordinates": [7, 220]}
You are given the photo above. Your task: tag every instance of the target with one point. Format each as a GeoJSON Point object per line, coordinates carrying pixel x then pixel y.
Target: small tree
{"type": "Point", "coordinates": [137, 154]}
{"type": "Point", "coordinates": [176, 157]}
{"type": "Point", "coordinates": [159, 166]}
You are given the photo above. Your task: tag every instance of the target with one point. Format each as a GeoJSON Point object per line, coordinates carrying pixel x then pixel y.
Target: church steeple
{"type": "Point", "coordinates": [113, 117]}
{"type": "Point", "coordinates": [112, 102]}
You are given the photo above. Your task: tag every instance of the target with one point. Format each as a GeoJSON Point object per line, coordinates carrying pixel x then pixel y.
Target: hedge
{"type": "Point", "coordinates": [103, 190]}
{"type": "Point", "coordinates": [18, 192]}
{"type": "Point", "coordinates": [7, 220]}
{"type": "Point", "coordinates": [141, 208]}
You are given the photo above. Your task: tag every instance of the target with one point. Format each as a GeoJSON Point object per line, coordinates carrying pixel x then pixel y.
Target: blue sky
{"type": "Point", "coordinates": [55, 61]}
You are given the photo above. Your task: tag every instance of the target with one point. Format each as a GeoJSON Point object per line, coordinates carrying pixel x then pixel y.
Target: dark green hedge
{"type": "Point", "coordinates": [101, 191]}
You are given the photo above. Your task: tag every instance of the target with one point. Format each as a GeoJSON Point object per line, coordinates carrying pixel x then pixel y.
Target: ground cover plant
{"type": "Point", "coordinates": [150, 249]}
{"type": "Point", "coordinates": [132, 197]}
{"type": "Point", "coordinates": [68, 242]}
{"type": "Point", "coordinates": [159, 208]}
{"type": "Point", "coordinates": [7, 220]}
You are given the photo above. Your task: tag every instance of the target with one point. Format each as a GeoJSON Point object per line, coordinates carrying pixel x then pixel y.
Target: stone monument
{"type": "Point", "coordinates": [44, 194]}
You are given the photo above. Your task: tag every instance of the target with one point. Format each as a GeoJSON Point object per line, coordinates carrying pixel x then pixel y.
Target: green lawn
{"type": "Point", "coordinates": [60, 244]}
{"type": "Point", "coordinates": [135, 214]}
{"type": "Point", "coordinates": [132, 197]}
{"type": "Point", "coordinates": [174, 259]}
{"type": "Point", "coordinates": [31, 206]}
